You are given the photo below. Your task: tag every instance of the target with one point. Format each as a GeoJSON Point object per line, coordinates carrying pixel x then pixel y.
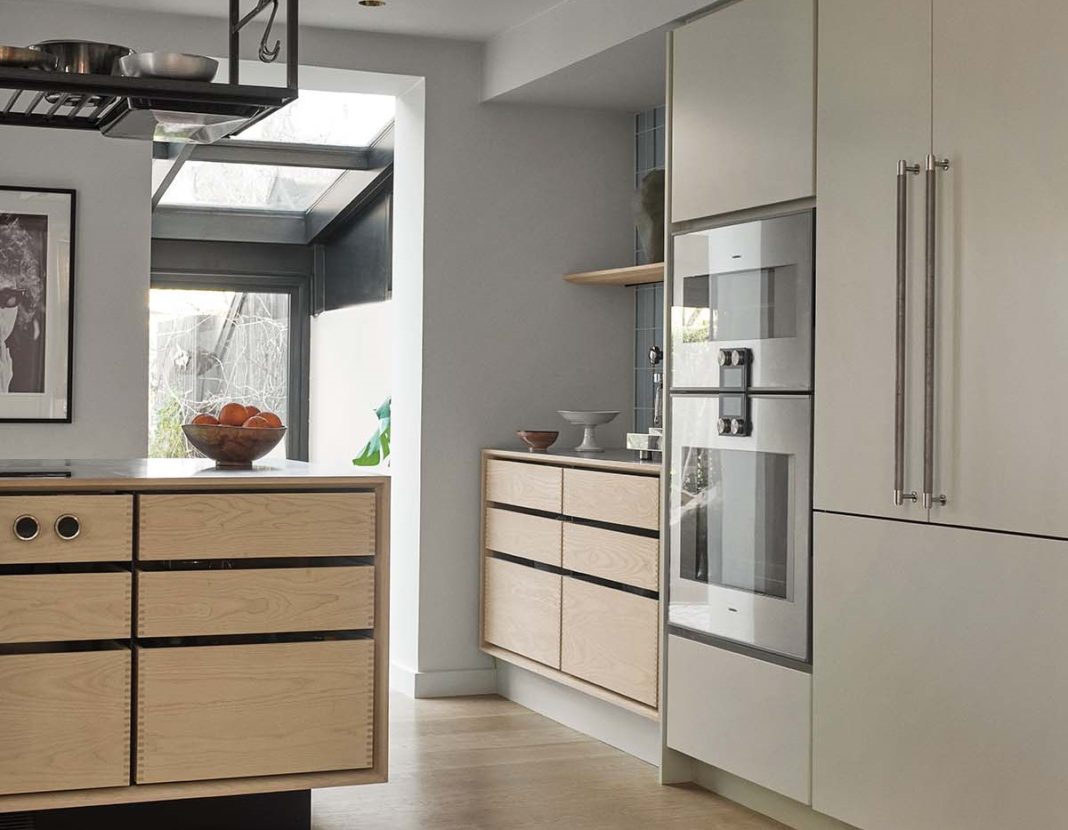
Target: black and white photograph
{"type": "Point", "coordinates": [36, 233]}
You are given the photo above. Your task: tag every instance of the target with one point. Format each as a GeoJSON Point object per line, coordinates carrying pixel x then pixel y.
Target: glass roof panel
{"type": "Point", "coordinates": [343, 119]}
{"type": "Point", "coordinates": [201, 184]}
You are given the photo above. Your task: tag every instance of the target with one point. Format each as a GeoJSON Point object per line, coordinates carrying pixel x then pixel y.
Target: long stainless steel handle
{"type": "Point", "coordinates": [931, 168]}
{"type": "Point", "coordinates": [904, 169]}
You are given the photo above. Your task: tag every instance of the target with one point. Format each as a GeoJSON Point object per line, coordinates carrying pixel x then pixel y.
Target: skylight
{"type": "Point", "coordinates": [340, 119]}
{"type": "Point", "coordinates": [203, 184]}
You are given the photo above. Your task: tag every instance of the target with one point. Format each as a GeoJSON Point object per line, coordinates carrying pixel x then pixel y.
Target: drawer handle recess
{"type": "Point", "coordinates": [68, 527]}
{"type": "Point", "coordinates": [26, 528]}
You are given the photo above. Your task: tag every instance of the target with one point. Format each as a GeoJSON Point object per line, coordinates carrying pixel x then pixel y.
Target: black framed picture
{"type": "Point", "coordinates": [36, 303]}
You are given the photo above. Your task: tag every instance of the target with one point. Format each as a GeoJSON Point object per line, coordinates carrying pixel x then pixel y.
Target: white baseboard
{"type": "Point", "coordinates": [599, 719]}
{"type": "Point", "coordinates": [453, 683]}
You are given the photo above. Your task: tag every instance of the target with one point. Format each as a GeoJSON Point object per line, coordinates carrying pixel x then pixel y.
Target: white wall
{"type": "Point", "coordinates": [513, 198]}
{"type": "Point", "coordinates": [113, 184]}
{"type": "Point", "coordinates": [351, 375]}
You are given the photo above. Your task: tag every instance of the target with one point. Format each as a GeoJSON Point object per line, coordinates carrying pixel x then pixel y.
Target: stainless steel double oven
{"type": "Point", "coordinates": [741, 434]}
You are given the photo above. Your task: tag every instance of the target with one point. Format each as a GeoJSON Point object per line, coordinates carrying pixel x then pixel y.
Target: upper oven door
{"type": "Point", "coordinates": [740, 521]}
{"type": "Point", "coordinates": [746, 286]}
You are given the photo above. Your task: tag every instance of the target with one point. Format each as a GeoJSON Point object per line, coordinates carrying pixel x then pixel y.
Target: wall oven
{"type": "Point", "coordinates": [741, 435]}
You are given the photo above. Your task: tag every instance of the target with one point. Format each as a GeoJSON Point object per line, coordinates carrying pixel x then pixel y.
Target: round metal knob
{"type": "Point", "coordinates": [738, 426]}
{"type": "Point", "coordinates": [737, 357]}
{"type": "Point", "coordinates": [723, 425]}
{"type": "Point", "coordinates": [724, 357]}
{"type": "Point", "coordinates": [68, 527]}
{"type": "Point", "coordinates": [26, 528]}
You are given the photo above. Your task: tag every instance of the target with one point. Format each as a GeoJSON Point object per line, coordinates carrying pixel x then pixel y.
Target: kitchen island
{"type": "Point", "coordinates": [170, 630]}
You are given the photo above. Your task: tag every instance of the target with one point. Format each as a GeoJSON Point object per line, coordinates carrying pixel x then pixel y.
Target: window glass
{"type": "Point", "coordinates": [206, 184]}
{"type": "Point", "coordinates": [210, 347]}
{"type": "Point", "coordinates": [345, 119]}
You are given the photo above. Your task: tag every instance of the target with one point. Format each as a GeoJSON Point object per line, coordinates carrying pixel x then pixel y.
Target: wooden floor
{"type": "Point", "coordinates": [485, 762]}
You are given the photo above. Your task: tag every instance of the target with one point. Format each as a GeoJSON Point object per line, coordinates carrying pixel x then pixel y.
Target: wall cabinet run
{"type": "Point", "coordinates": [571, 572]}
{"type": "Point", "coordinates": [235, 644]}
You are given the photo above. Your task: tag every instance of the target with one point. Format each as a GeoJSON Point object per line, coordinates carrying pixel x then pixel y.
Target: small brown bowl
{"type": "Point", "coordinates": [537, 440]}
{"type": "Point", "coordinates": [233, 446]}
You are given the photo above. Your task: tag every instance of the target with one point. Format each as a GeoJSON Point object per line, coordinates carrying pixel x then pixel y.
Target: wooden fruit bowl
{"type": "Point", "coordinates": [233, 446]}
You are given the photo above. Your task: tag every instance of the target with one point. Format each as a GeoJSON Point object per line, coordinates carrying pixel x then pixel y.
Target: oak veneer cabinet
{"type": "Point", "coordinates": [168, 630]}
{"type": "Point", "coordinates": [571, 571]}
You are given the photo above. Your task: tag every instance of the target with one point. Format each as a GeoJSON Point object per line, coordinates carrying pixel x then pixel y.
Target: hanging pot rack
{"type": "Point", "coordinates": [36, 98]}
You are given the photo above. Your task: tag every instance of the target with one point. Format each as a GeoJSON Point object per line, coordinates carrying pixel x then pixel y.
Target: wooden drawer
{"type": "Point", "coordinates": [609, 554]}
{"type": "Point", "coordinates": [254, 601]}
{"type": "Point", "coordinates": [521, 608]}
{"type": "Point", "coordinates": [630, 500]}
{"type": "Point", "coordinates": [535, 486]}
{"type": "Point", "coordinates": [43, 608]}
{"type": "Point", "coordinates": [235, 711]}
{"type": "Point", "coordinates": [251, 525]}
{"type": "Point", "coordinates": [610, 638]}
{"type": "Point", "coordinates": [105, 531]}
{"type": "Point", "coordinates": [65, 721]}
{"type": "Point", "coordinates": [520, 534]}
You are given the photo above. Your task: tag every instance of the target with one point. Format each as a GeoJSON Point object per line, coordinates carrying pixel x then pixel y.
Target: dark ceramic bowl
{"type": "Point", "coordinates": [537, 440]}
{"type": "Point", "coordinates": [233, 446]}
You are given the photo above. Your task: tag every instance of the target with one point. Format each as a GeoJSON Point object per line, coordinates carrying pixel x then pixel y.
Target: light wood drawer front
{"type": "Point", "coordinates": [43, 608]}
{"type": "Point", "coordinates": [522, 610]}
{"type": "Point", "coordinates": [254, 601]}
{"type": "Point", "coordinates": [65, 721]}
{"type": "Point", "coordinates": [105, 531]}
{"type": "Point", "coordinates": [609, 554]}
{"type": "Point", "coordinates": [237, 711]}
{"type": "Point", "coordinates": [250, 525]}
{"type": "Point", "coordinates": [629, 500]}
{"type": "Point", "coordinates": [535, 486]}
{"type": "Point", "coordinates": [610, 638]}
{"type": "Point", "coordinates": [520, 534]}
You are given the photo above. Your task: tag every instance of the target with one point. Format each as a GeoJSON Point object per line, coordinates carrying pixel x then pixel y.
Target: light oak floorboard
{"type": "Point", "coordinates": [485, 763]}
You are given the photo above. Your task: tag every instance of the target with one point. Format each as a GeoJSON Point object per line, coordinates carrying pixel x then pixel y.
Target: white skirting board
{"type": "Point", "coordinates": [630, 732]}
{"type": "Point", "coordinates": [455, 683]}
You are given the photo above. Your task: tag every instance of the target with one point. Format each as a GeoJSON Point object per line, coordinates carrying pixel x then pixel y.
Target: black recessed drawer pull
{"type": "Point", "coordinates": [26, 528]}
{"type": "Point", "coordinates": [68, 527]}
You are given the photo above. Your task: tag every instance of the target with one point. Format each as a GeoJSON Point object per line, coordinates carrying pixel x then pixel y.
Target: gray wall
{"type": "Point", "coordinates": [512, 199]}
{"type": "Point", "coordinates": [113, 180]}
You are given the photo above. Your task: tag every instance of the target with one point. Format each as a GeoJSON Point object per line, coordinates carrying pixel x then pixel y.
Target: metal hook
{"type": "Point", "coordinates": [267, 53]}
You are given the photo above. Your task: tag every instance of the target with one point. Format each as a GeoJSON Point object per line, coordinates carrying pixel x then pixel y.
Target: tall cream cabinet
{"type": "Point", "coordinates": [977, 85]}
{"type": "Point", "coordinates": [942, 244]}
{"type": "Point", "coordinates": [742, 122]}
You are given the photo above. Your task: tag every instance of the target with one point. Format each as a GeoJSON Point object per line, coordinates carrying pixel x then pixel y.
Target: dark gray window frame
{"type": "Point", "coordinates": [298, 287]}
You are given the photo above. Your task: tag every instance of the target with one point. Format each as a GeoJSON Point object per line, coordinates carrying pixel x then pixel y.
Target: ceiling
{"type": "Point", "coordinates": [461, 19]}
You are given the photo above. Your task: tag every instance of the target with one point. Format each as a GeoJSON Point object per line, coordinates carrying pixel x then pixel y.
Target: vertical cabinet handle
{"type": "Point", "coordinates": [904, 169]}
{"type": "Point", "coordinates": [931, 168]}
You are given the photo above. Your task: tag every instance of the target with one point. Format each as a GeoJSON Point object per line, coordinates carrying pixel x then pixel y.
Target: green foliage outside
{"type": "Point", "coordinates": [168, 440]}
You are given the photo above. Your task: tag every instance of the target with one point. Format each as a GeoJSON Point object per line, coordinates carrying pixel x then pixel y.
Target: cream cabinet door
{"type": "Point", "coordinates": [1000, 118]}
{"type": "Point", "coordinates": [874, 110]}
{"type": "Point", "coordinates": [742, 108]}
{"type": "Point", "coordinates": [938, 678]}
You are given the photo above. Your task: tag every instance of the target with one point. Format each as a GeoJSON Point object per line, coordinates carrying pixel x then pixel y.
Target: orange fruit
{"type": "Point", "coordinates": [257, 422]}
{"type": "Point", "coordinates": [232, 415]}
{"type": "Point", "coordinates": [206, 420]}
{"type": "Point", "coordinates": [252, 410]}
{"type": "Point", "coordinates": [273, 420]}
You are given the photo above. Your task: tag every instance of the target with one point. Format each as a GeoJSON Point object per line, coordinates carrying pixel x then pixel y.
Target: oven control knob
{"type": "Point", "coordinates": [724, 357]}
{"type": "Point", "coordinates": [739, 357]}
{"type": "Point", "coordinates": [739, 426]}
{"type": "Point", "coordinates": [724, 426]}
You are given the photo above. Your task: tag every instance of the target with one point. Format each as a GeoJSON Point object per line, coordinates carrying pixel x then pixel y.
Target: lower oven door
{"type": "Point", "coordinates": [740, 521]}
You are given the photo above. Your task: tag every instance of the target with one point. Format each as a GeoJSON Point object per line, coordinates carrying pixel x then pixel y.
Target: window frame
{"type": "Point", "coordinates": [298, 288]}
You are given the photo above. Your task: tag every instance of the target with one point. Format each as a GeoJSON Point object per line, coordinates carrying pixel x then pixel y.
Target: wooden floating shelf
{"type": "Point", "coordinates": [632, 275]}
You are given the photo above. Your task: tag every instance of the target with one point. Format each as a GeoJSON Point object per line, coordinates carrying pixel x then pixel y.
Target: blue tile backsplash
{"type": "Point", "coordinates": [649, 136]}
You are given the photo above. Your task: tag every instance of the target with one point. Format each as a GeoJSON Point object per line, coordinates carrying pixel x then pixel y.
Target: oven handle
{"type": "Point", "coordinates": [904, 169]}
{"type": "Point", "coordinates": [931, 168]}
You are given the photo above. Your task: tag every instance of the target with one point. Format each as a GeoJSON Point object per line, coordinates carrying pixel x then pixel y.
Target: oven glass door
{"type": "Point", "coordinates": [740, 527]}
{"type": "Point", "coordinates": [745, 286]}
